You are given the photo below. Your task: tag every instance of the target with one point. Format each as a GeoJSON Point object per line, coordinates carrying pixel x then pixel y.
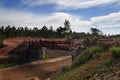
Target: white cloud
{"type": "Point", "coordinates": [22, 18]}
{"type": "Point", "coordinates": [110, 20]}
{"type": "Point", "coordinates": [70, 4]}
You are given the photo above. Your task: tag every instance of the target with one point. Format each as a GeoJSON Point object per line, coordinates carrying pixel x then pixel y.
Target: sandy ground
{"type": "Point", "coordinates": [42, 69]}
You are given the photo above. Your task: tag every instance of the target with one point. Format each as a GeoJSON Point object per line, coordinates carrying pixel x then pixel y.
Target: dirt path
{"type": "Point", "coordinates": [42, 69]}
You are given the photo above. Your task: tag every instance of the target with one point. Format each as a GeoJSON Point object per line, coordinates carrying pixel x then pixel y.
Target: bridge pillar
{"type": "Point", "coordinates": [42, 52]}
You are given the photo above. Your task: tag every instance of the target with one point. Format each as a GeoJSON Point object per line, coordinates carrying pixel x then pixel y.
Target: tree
{"type": "Point", "coordinates": [95, 35]}
{"type": "Point", "coordinates": [60, 31]}
{"type": "Point", "coordinates": [35, 29]}
{"type": "Point", "coordinates": [67, 26]}
{"type": "Point", "coordinates": [44, 31]}
{"type": "Point", "coordinates": [2, 31]}
{"type": "Point", "coordinates": [51, 28]}
{"type": "Point", "coordinates": [13, 31]}
{"type": "Point", "coordinates": [1, 36]}
{"type": "Point", "coordinates": [26, 28]}
{"type": "Point", "coordinates": [50, 31]}
{"type": "Point", "coordinates": [7, 31]}
{"type": "Point", "coordinates": [95, 31]}
{"type": "Point", "coordinates": [67, 31]}
{"type": "Point", "coordinates": [44, 28]}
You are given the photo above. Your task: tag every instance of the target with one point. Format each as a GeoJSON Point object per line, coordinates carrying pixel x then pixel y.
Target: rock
{"type": "Point", "coordinates": [48, 79]}
{"type": "Point", "coordinates": [35, 78]}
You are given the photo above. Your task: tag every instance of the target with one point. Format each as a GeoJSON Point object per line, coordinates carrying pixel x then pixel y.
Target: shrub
{"type": "Point", "coordinates": [46, 56]}
{"type": "Point", "coordinates": [115, 52]}
{"type": "Point", "coordinates": [88, 54]}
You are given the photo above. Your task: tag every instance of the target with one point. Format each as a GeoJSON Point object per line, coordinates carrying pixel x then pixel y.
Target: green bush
{"type": "Point", "coordinates": [115, 52]}
{"type": "Point", "coordinates": [46, 56]}
{"type": "Point", "coordinates": [88, 54]}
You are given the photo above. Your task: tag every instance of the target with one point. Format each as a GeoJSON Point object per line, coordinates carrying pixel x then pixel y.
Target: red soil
{"type": "Point", "coordinates": [11, 43]}
{"type": "Point", "coordinates": [43, 69]}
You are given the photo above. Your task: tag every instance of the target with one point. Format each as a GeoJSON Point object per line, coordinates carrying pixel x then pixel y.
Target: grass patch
{"type": "Point", "coordinates": [46, 56]}
{"type": "Point", "coordinates": [88, 54]}
{"type": "Point", "coordinates": [115, 52]}
{"type": "Point", "coordinates": [8, 65]}
{"type": "Point", "coordinates": [13, 64]}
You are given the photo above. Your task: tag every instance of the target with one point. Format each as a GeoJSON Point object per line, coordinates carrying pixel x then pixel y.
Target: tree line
{"type": "Point", "coordinates": [44, 32]}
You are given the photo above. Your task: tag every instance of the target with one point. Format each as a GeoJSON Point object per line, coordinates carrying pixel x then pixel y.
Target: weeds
{"type": "Point", "coordinates": [88, 54]}
{"type": "Point", "coordinates": [115, 52]}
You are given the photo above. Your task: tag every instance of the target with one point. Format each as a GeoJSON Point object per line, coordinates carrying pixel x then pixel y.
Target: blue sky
{"type": "Point", "coordinates": [82, 14]}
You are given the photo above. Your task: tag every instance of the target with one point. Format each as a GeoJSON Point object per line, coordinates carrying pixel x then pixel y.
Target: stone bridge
{"type": "Point", "coordinates": [34, 49]}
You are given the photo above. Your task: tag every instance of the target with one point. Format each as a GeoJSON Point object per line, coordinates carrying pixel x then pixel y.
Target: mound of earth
{"type": "Point", "coordinates": [11, 43]}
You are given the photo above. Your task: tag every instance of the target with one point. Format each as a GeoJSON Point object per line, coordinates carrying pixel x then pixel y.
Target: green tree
{"type": "Point", "coordinates": [50, 31]}
{"type": "Point", "coordinates": [51, 28]}
{"type": "Point", "coordinates": [44, 28]}
{"type": "Point", "coordinates": [95, 31]}
{"type": "Point", "coordinates": [44, 31]}
{"type": "Point", "coordinates": [7, 31]}
{"type": "Point", "coordinates": [95, 35]}
{"type": "Point", "coordinates": [67, 26]}
{"type": "Point", "coordinates": [67, 31]}
{"type": "Point", "coordinates": [60, 32]}
{"type": "Point", "coordinates": [35, 31]}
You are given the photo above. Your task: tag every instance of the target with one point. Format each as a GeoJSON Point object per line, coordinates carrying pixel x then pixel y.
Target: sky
{"type": "Point", "coordinates": [82, 14]}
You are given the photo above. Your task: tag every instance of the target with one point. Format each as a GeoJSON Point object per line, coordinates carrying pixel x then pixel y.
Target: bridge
{"type": "Point", "coordinates": [34, 49]}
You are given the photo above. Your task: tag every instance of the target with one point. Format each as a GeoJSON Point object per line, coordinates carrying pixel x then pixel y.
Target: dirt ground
{"type": "Point", "coordinates": [42, 69]}
{"type": "Point", "coordinates": [57, 53]}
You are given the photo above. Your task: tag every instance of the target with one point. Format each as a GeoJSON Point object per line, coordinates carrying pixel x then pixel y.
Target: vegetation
{"type": "Point", "coordinates": [1, 37]}
{"type": "Point", "coordinates": [7, 65]}
{"type": "Point", "coordinates": [95, 31]}
{"type": "Point", "coordinates": [93, 64]}
{"type": "Point", "coordinates": [88, 54]}
{"type": "Point", "coordinates": [87, 71]}
{"type": "Point", "coordinates": [95, 35]}
{"type": "Point", "coordinates": [46, 55]}
{"type": "Point", "coordinates": [104, 67]}
{"type": "Point", "coordinates": [115, 51]}
{"type": "Point", "coordinates": [1, 41]}
{"type": "Point", "coordinates": [2, 65]}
